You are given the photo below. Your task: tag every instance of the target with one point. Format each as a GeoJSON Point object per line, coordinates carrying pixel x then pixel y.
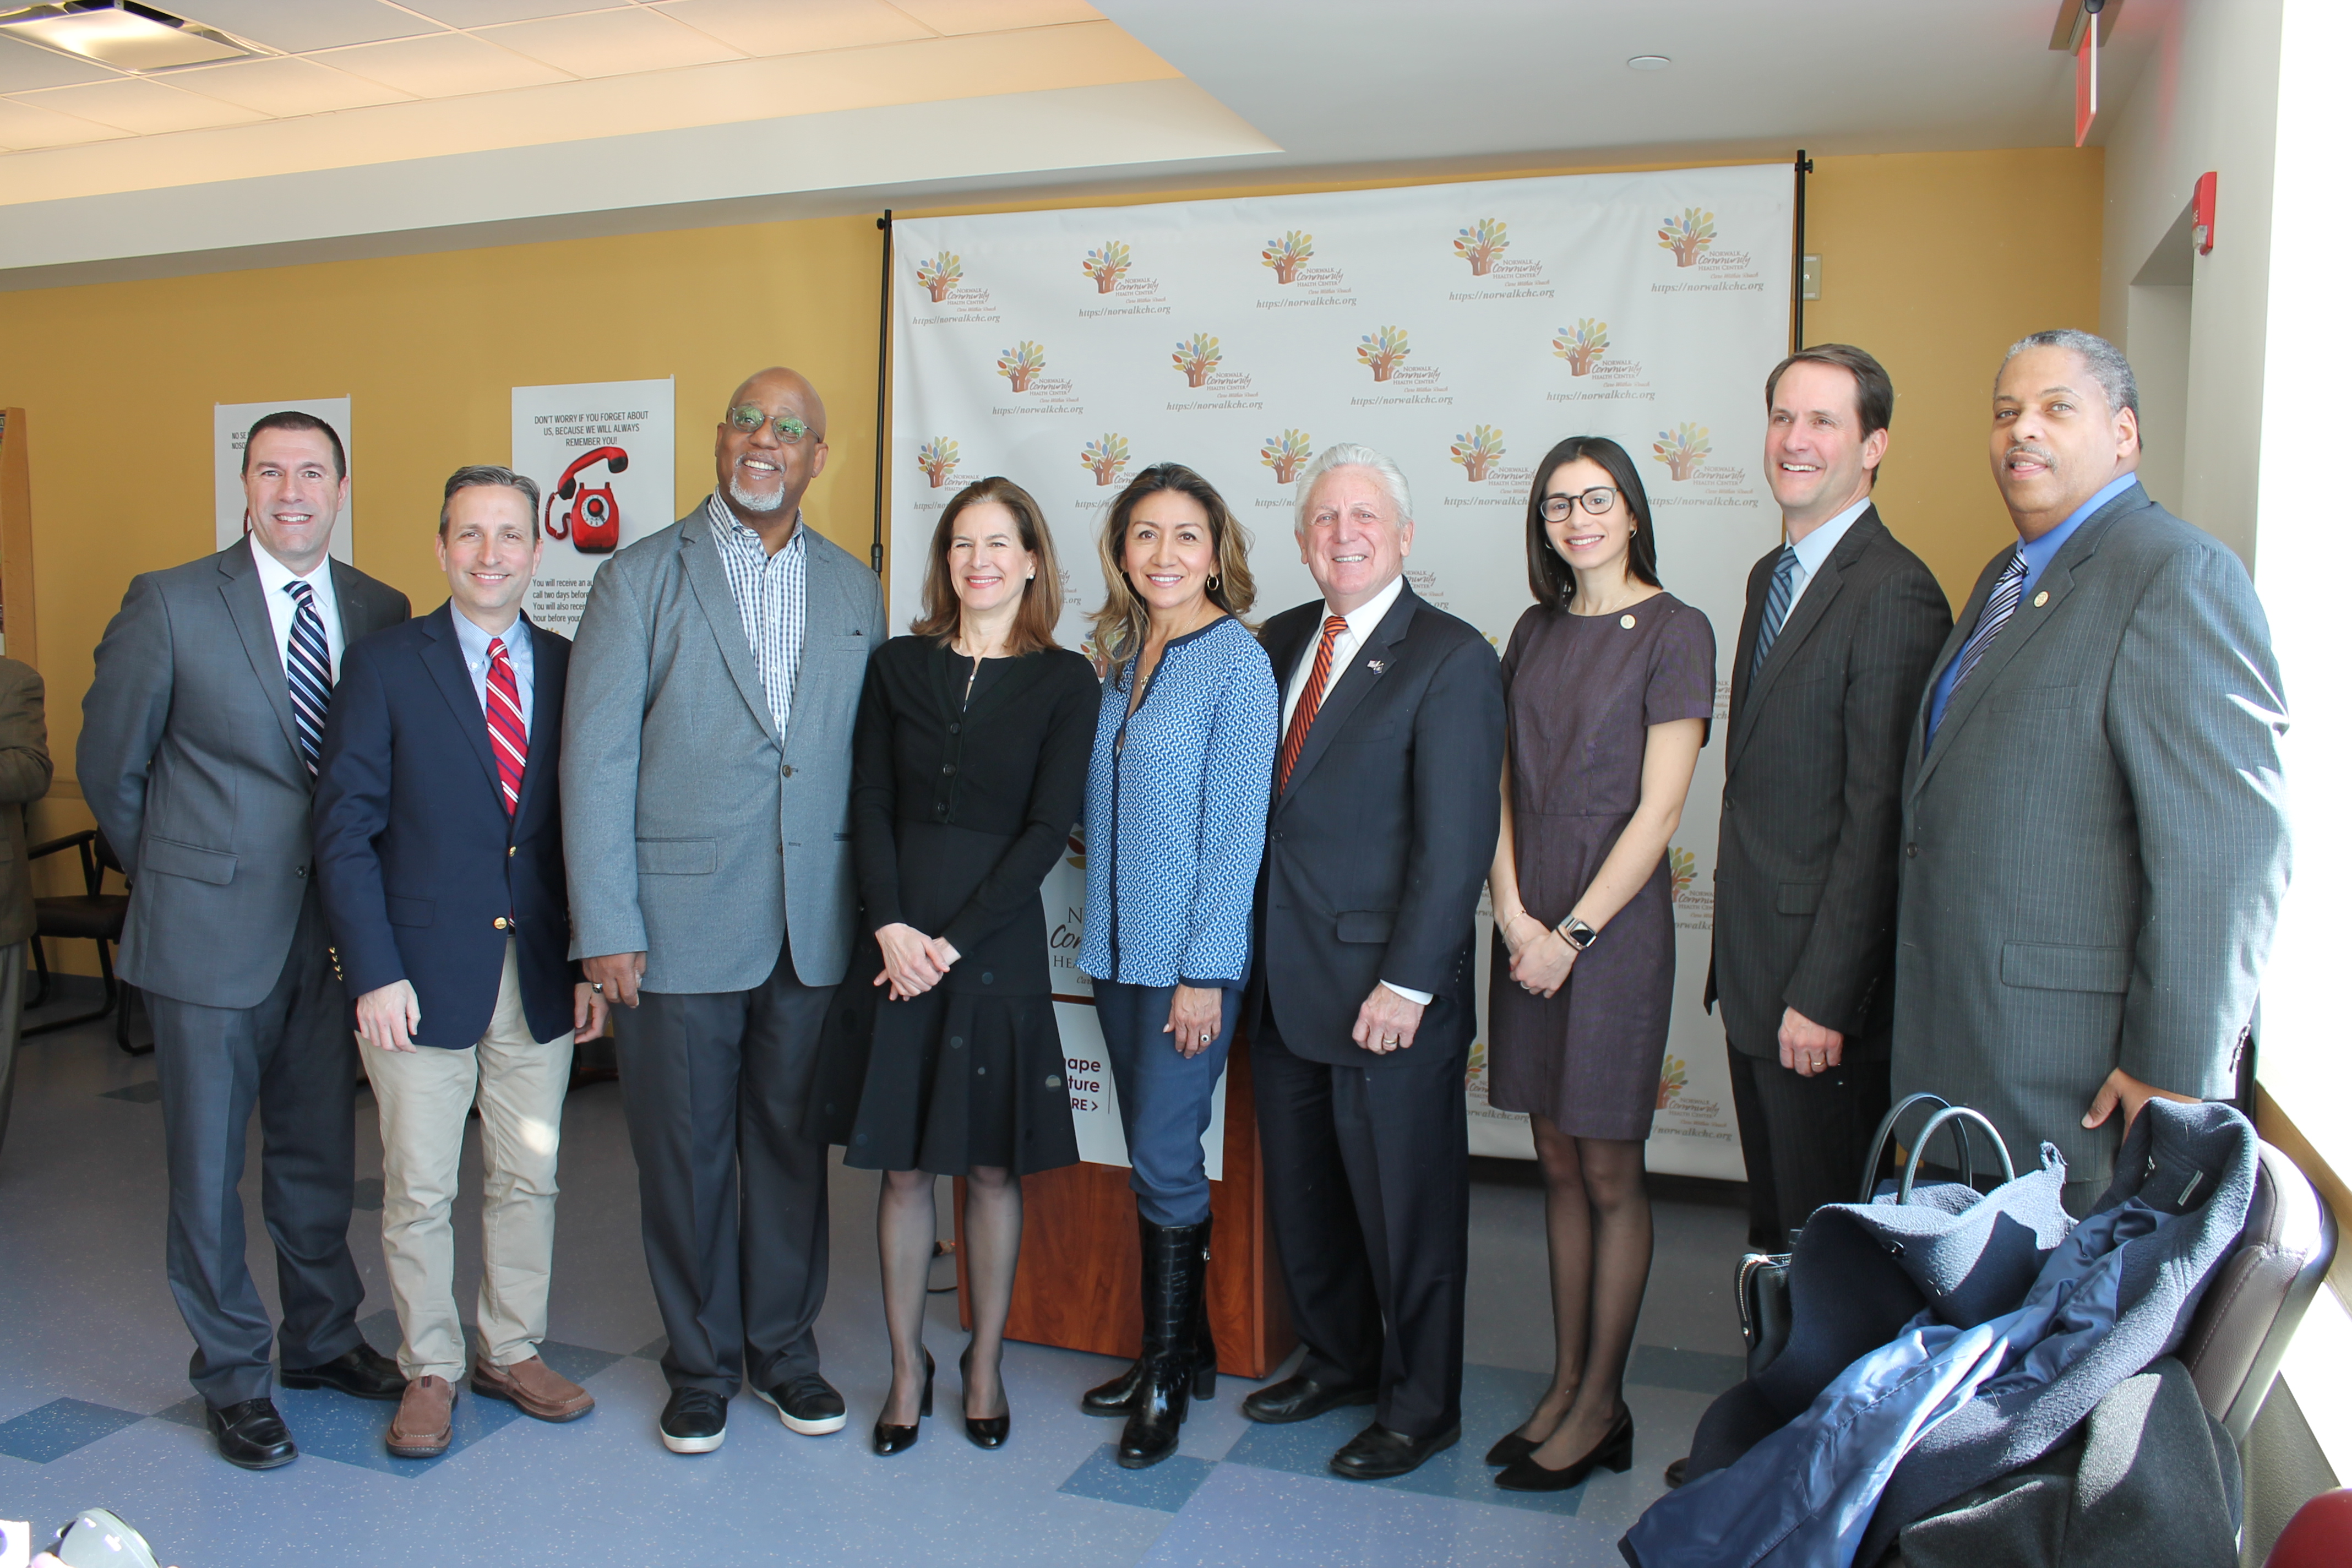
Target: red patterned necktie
{"type": "Point", "coordinates": [508, 738]}
{"type": "Point", "coordinates": [1302, 718]}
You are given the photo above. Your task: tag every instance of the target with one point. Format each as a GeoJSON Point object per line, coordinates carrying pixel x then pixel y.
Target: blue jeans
{"type": "Point", "coordinates": [1163, 1097]}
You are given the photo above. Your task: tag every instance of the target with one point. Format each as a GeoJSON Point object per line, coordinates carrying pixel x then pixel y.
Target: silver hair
{"type": "Point", "coordinates": [477, 475]}
{"type": "Point", "coordinates": [2108, 366]}
{"type": "Point", "coordinates": [1348, 455]}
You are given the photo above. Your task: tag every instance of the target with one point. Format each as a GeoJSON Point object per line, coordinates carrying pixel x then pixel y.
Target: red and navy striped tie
{"type": "Point", "coordinates": [508, 738]}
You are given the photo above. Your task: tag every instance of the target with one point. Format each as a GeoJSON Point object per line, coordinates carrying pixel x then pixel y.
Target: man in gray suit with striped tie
{"type": "Point", "coordinates": [199, 755]}
{"type": "Point", "coordinates": [2095, 835]}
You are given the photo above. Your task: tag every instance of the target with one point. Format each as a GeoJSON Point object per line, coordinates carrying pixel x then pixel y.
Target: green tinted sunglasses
{"type": "Point", "coordinates": [748, 419]}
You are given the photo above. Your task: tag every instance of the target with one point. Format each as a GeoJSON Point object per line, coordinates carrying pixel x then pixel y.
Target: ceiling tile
{"type": "Point", "coordinates": [611, 43]}
{"type": "Point", "coordinates": [996, 15]}
{"type": "Point", "coordinates": [489, 12]}
{"type": "Point", "coordinates": [286, 85]}
{"type": "Point", "coordinates": [25, 125]}
{"type": "Point", "coordinates": [443, 65]}
{"type": "Point", "coordinates": [307, 25]}
{"type": "Point", "coordinates": [141, 107]}
{"type": "Point", "coordinates": [23, 68]}
{"type": "Point", "coordinates": [796, 26]}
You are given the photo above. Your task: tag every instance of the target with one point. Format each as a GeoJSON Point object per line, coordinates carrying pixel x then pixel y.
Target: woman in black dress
{"type": "Point", "coordinates": [1608, 682]}
{"type": "Point", "coordinates": [940, 1055]}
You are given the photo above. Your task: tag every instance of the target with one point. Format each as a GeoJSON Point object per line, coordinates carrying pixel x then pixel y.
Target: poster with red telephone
{"type": "Point", "coordinates": [603, 455]}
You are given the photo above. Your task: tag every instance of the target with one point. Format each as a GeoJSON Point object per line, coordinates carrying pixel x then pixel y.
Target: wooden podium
{"type": "Point", "coordinates": [1081, 1273]}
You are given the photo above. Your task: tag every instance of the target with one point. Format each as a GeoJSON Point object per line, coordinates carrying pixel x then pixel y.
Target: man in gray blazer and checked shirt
{"type": "Point", "coordinates": [199, 753]}
{"type": "Point", "coordinates": [2094, 836]}
{"type": "Point", "coordinates": [706, 828]}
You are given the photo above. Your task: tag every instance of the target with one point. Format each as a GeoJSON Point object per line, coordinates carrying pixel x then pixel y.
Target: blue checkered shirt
{"type": "Point", "coordinates": [771, 596]}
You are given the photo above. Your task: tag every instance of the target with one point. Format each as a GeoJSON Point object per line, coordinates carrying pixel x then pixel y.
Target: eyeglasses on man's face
{"type": "Point", "coordinates": [1596, 500]}
{"type": "Point", "coordinates": [789, 428]}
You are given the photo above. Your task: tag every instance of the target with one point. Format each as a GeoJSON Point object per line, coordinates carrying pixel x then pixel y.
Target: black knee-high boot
{"type": "Point", "coordinates": [1173, 1276]}
{"type": "Point", "coordinates": [1117, 1398]}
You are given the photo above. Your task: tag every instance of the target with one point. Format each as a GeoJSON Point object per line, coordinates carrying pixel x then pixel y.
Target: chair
{"type": "Point", "coordinates": [91, 915]}
{"type": "Point", "coordinates": [2255, 1302]}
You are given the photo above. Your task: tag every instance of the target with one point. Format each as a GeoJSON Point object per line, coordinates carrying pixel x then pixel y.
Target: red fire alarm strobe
{"type": "Point", "coordinates": [2201, 206]}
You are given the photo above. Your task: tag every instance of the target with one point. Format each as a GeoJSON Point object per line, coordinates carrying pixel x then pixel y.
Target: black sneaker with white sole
{"type": "Point", "coordinates": [809, 1406]}
{"type": "Point", "coordinates": [693, 1421]}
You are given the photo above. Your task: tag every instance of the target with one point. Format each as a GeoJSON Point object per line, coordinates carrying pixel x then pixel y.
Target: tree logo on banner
{"type": "Point", "coordinates": [1682, 449]}
{"type": "Point", "coordinates": [1197, 357]}
{"type": "Point", "coordinates": [1674, 1076]}
{"type": "Point", "coordinates": [1582, 344]}
{"type": "Point", "coordinates": [1287, 254]}
{"type": "Point", "coordinates": [1105, 458]}
{"type": "Point", "coordinates": [1285, 453]}
{"type": "Point", "coordinates": [1107, 265]}
{"type": "Point", "coordinates": [1687, 235]}
{"type": "Point", "coordinates": [941, 274]}
{"type": "Point", "coordinates": [1681, 865]}
{"type": "Point", "coordinates": [1383, 352]}
{"type": "Point", "coordinates": [1477, 450]}
{"type": "Point", "coordinates": [1020, 365]}
{"type": "Point", "coordinates": [1480, 245]}
{"type": "Point", "coordinates": [938, 459]}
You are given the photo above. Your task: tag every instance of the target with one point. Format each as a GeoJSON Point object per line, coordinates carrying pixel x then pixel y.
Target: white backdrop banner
{"type": "Point", "coordinates": [1460, 329]}
{"type": "Point", "coordinates": [230, 423]}
{"type": "Point", "coordinates": [603, 455]}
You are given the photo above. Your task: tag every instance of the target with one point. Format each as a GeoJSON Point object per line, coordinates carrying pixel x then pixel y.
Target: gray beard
{"type": "Point", "coordinates": [750, 502]}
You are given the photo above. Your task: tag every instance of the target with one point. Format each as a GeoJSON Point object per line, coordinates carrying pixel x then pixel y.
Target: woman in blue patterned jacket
{"type": "Point", "coordinates": [1176, 804]}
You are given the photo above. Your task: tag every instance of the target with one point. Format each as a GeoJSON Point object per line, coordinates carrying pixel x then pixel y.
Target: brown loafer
{"type": "Point", "coordinates": [533, 1387]}
{"type": "Point", "coordinates": [421, 1429]}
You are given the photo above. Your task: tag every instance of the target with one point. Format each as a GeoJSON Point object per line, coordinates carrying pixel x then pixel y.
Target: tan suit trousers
{"type": "Point", "coordinates": [422, 1097]}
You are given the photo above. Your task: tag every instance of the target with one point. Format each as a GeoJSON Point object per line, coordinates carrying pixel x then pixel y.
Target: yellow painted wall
{"type": "Point", "coordinates": [1934, 262]}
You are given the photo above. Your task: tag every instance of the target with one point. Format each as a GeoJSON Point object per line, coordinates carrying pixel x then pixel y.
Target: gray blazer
{"type": "Point", "coordinates": [693, 833]}
{"type": "Point", "coordinates": [189, 760]}
{"type": "Point", "coordinates": [2096, 847]}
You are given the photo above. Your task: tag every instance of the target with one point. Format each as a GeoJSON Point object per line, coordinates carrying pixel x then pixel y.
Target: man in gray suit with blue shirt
{"type": "Point", "coordinates": [2094, 836]}
{"type": "Point", "coordinates": [706, 724]}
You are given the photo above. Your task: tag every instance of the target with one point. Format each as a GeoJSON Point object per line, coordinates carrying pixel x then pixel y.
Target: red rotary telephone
{"type": "Point", "coordinates": [592, 522]}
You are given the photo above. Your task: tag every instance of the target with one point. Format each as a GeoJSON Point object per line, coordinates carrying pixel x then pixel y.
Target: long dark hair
{"type": "Point", "coordinates": [1549, 578]}
{"type": "Point", "coordinates": [1040, 597]}
{"type": "Point", "coordinates": [1124, 621]}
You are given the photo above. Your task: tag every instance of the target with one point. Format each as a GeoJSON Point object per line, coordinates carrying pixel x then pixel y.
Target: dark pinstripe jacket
{"type": "Point", "coordinates": [1813, 787]}
{"type": "Point", "coordinates": [2095, 845]}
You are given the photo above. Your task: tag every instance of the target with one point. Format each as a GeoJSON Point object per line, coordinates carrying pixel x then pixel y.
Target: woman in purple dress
{"type": "Point", "coordinates": [1611, 686]}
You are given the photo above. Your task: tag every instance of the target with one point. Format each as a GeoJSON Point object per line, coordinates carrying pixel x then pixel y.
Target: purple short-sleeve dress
{"type": "Point", "coordinates": [1582, 692]}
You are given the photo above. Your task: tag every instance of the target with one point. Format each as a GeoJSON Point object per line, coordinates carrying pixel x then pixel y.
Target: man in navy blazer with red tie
{"type": "Point", "coordinates": [440, 856]}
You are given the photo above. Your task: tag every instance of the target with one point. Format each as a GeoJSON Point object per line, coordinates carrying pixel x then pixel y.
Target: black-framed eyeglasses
{"type": "Point", "coordinates": [789, 428]}
{"type": "Point", "coordinates": [1596, 500]}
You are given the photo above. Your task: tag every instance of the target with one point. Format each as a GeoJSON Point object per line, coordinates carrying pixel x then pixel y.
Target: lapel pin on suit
{"type": "Point", "coordinates": [1376, 665]}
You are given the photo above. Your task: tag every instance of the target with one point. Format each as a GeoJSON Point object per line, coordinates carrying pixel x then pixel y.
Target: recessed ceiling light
{"type": "Point", "coordinates": [121, 33]}
{"type": "Point", "coordinates": [1649, 62]}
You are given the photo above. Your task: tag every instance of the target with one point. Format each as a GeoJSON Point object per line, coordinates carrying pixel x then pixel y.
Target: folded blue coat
{"type": "Point", "coordinates": [2011, 1327]}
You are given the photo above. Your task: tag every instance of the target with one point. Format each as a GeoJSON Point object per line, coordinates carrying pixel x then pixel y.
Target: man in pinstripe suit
{"type": "Point", "coordinates": [2094, 836]}
{"type": "Point", "coordinates": [1842, 624]}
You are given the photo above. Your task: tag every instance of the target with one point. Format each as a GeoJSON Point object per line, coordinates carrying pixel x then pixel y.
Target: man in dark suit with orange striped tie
{"type": "Point", "coordinates": [440, 855]}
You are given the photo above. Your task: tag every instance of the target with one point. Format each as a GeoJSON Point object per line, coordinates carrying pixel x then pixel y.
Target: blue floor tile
{"type": "Point", "coordinates": [59, 1427]}
{"type": "Point", "coordinates": [577, 1363]}
{"type": "Point", "coordinates": [1165, 1486]}
{"type": "Point", "coordinates": [1692, 1372]}
{"type": "Point", "coordinates": [653, 1350]}
{"type": "Point", "coordinates": [330, 1426]}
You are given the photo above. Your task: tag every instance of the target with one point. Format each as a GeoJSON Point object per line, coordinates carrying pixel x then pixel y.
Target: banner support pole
{"type": "Point", "coordinates": [1797, 271]}
{"type": "Point", "coordinates": [882, 393]}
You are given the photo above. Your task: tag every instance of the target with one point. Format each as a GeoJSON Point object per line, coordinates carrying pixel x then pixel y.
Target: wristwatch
{"type": "Point", "coordinates": [1576, 933]}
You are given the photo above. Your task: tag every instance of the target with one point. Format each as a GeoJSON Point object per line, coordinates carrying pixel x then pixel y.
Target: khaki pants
{"type": "Point", "coordinates": [422, 1097]}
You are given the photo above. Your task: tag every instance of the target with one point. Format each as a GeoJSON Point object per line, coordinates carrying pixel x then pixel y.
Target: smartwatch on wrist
{"type": "Point", "coordinates": [1576, 933]}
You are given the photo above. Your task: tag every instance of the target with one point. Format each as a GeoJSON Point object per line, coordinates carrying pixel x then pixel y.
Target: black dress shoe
{"type": "Point", "coordinates": [363, 1371]}
{"type": "Point", "coordinates": [693, 1421]}
{"type": "Point", "coordinates": [1302, 1398]}
{"type": "Point", "coordinates": [809, 1406]}
{"type": "Point", "coordinates": [250, 1436]}
{"type": "Point", "coordinates": [1510, 1449]}
{"type": "Point", "coordinates": [1614, 1450]}
{"type": "Point", "coordinates": [891, 1440]}
{"type": "Point", "coordinates": [985, 1431]}
{"type": "Point", "coordinates": [1678, 1473]}
{"type": "Point", "coordinates": [1376, 1452]}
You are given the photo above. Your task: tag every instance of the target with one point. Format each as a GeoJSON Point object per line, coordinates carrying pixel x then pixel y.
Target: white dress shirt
{"type": "Point", "coordinates": [474, 648]}
{"type": "Point", "coordinates": [1814, 549]}
{"type": "Point", "coordinates": [275, 576]}
{"type": "Point", "coordinates": [1361, 620]}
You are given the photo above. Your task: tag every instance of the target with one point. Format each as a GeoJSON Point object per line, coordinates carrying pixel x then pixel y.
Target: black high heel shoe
{"type": "Point", "coordinates": [889, 1439]}
{"type": "Point", "coordinates": [985, 1431]}
{"type": "Point", "coordinates": [1615, 1451]}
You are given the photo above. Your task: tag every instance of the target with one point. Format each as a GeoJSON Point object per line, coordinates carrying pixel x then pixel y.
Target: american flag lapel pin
{"type": "Point", "coordinates": [1376, 665]}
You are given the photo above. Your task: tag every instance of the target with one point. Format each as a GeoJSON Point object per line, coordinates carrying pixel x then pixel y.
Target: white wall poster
{"type": "Point", "coordinates": [1460, 329]}
{"type": "Point", "coordinates": [603, 455]}
{"type": "Point", "coordinates": [231, 421]}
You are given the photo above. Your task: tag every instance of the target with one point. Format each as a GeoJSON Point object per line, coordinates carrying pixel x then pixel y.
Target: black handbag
{"type": "Point", "coordinates": [1760, 1283]}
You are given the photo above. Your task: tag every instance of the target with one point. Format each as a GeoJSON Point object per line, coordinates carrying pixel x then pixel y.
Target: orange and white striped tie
{"type": "Point", "coordinates": [1302, 718]}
